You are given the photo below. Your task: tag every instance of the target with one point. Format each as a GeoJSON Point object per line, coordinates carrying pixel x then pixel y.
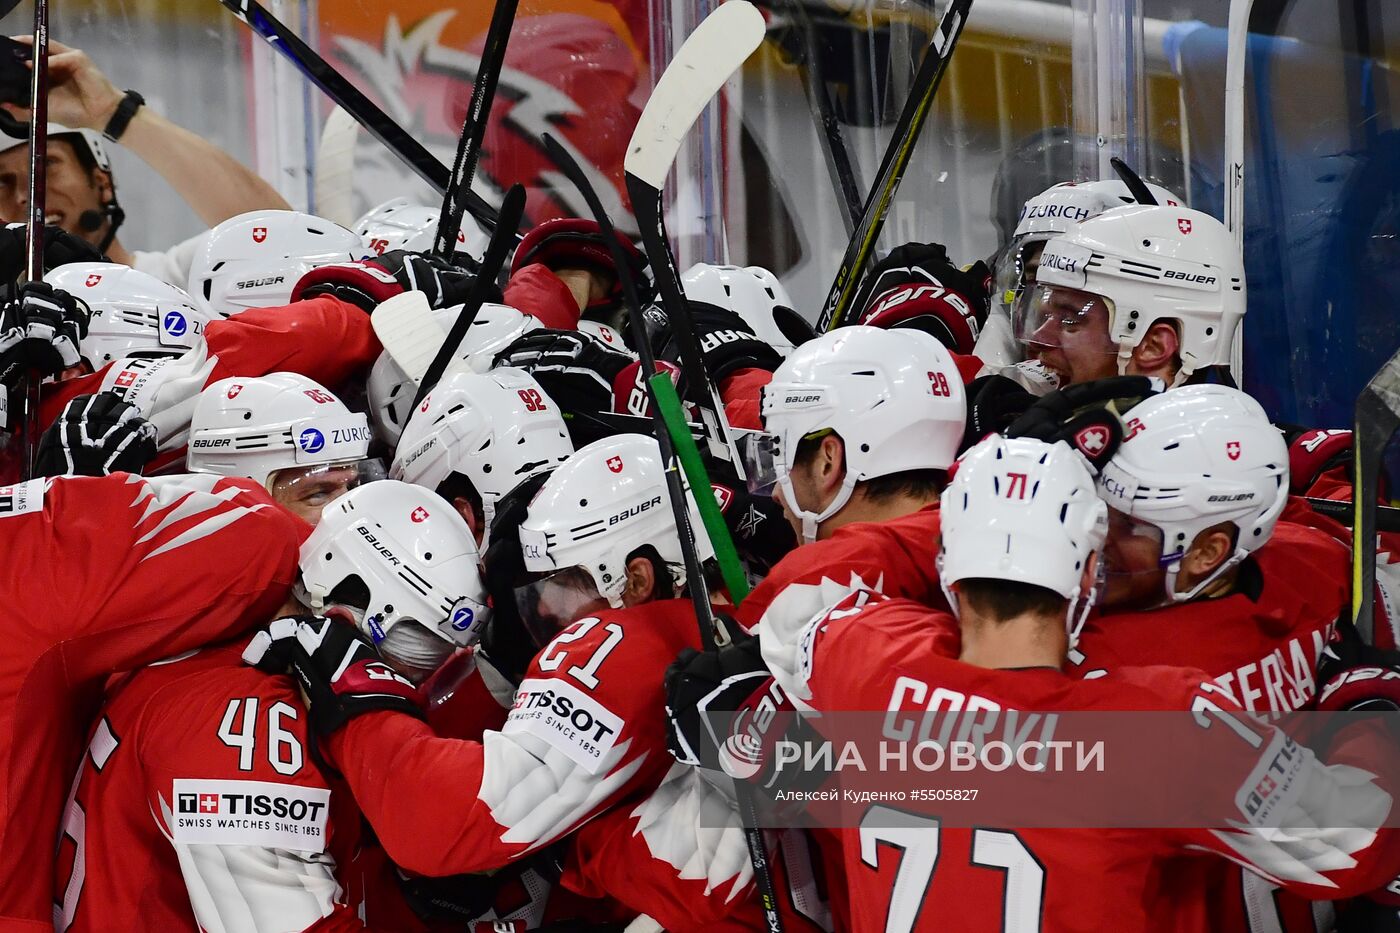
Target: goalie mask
{"type": "Point", "coordinates": [590, 517]}
{"type": "Point", "coordinates": [391, 392]}
{"type": "Point", "coordinates": [1020, 509]}
{"type": "Point", "coordinates": [894, 397]}
{"type": "Point", "coordinates": [495, 429]}
{"type": "Point", "coordinates": [400, 224]}
{"type": "Point", "coordinates": [1102, 286]}
{"type": "Point", "coordinates": [132, 313]}
{"type": "Point", "coordinates": [285, 431]}
{"type": "Point", "coordinates": [254, 260]}
{"type": "Point", "coordinates": [403, 565]}
{"type": "Point", "coordinates": [1192, 458]}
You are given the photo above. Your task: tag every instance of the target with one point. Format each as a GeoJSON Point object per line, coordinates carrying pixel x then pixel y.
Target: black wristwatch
{"type": "Point", "coordinates": [125, 111]}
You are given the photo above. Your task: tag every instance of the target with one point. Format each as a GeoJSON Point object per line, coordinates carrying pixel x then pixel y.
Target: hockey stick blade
{"type": "Point", "coordinates": [710, 54]}
{"type": "Point", "coordinates": [502, 242]}
{"type": "Point", "coordinates": [1136, 186]}
{"type": "Point", "coordinates": [901, 149]}
{"type": "Point", "coordinates": [488, 73]}
{"type": "Point", "coordinates": [411, 335]}
{"type": "Point", "coordinates": [1377, 418]}
{"type": "Point", "coordinates": [335, 86]}
{"type": "Point", "coordinates": [335, 168]}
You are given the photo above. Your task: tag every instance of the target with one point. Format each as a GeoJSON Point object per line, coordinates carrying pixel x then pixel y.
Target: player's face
{"type": "Point", "coordinates": [306, 491]}
{"type": "Point", "coordinates": [70, 189]}
{"type": "Point", "coordinates": [551, 604]}
{"type": "Point", "coordinates": [1133, 560]}
{"type": "Point", "coordinates": [1067, 331]}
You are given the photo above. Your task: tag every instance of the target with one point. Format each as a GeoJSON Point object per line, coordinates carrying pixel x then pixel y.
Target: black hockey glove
{"type": "Point", "coordinates": [576, 369]}
{"type": "Point", "coordinates": [60, 248]}
{"type": "Point", "coordinates": [727, 342]}
{"type": "Point", "coordinates": [1087, 416]}
{"type": "Point", "coordinates": [1364, 915]}
{"type": "Point", "coordinates": [40, 330]}
{"type": "Point", "coordinates": [505, 642]}
{"type": "Point", "coordinates": [460, 899]}
{"type": "Point", "coordinates": [917, 286]}
{"type": "Point", "coordinates": [340, 674]}
{"type": "Point", "coordinates": [371, 281]}
{"type": "Point", "coordinates": [96, 435]}
{"type": "Point", "coordinates": [993, 403]}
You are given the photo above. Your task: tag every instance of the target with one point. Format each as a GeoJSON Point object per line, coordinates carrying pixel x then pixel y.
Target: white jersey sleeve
{"type": "Point", "coordinates": [172, 266]}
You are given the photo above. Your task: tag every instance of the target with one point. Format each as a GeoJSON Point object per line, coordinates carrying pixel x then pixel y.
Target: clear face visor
{"type": "Point", "coordinates": [1056, 317]}
{"type": "Point", "coordinates": [307, 490]}
{"type": "Point", "coordinates": [1013, 269]}
{"type": "Point", "coordinates": [1133, 547]}
{"type": "Point", "coordinates": [550, 603]}
{"type": "Point", "coordinates": [762, 456]}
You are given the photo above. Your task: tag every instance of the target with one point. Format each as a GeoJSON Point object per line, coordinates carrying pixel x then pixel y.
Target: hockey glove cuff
{"type": "Point", "coordinates": [94, 436]}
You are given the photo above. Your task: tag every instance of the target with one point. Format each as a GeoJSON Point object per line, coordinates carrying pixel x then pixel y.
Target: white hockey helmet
{"type": "Point", "coordinates": [593, 512]}
{"type": "Point", "coordinates": [390, 391]}
{"type": "Point", "coordinates": [1021, 509]}
{"type": "Point", "coordinates": [496, 429]}
{"type": "Point", "coordinates": [1146, 264]}
{"type": "Point", "coordinates": [756, 295]}
{"type": "Point", "coordinates": [254, 260]}
{"type": "Point", "coordinates": [396, 554]}
{"type": "Point", "coordinates": [398, 223]}
{"type": "Point", "coordinates": [894, 397]}
{"type": "Point", "coordinates": [90, 139]}
{"type": "Point", "coordinates": [258, 425]}
{"type": "Point", "coordinates": [609, 335]}
{"type": "Point", "coordinates": [132, 312]}
{"type": "Point", "coordinates": [1194, 457]}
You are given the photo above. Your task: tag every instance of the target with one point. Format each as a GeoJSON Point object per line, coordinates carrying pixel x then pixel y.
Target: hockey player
{"type": "Point", "coordinates": [605, 570]}
{"type": "Point", "coordinates": [562, 269]}
{"type": "Point", "coordinates": [185, 748]}
{"type": "Point", "coordinates": [1022, 533]}
{"type": "Point", "coordinates": [1141, 290]}
{"type": "Point", "coordinates": [286, 432]}
{"type": "Point", "coordinates": [81, 192]}
{"type": "Point", "coordinates": [110, 548]}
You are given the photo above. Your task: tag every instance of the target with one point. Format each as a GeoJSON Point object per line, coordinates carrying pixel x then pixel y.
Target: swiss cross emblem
{"type": "Point", "coordinates": [93, 280]}
{"type": "Point", "coordinates": [259, 234]}
{"type": "Point", "coordinates": [615, 464]}
{"type": "Point", "coordinates": [1092, 440]}
{"type": "Point", "coordinates": [1183, 224]}
{"type": "Point", "coordinates": [723, 496]}
{"type": "Point", "coordinates": [420, 514]}
{"type": "Point", "coordinates": [233, 390]}
{"type": "Point", "coordinates": [1232, 450]}
{"type": "Point", "coordinates": [125, 378]}
{"type": "Point", "coordinates": [208, 803]}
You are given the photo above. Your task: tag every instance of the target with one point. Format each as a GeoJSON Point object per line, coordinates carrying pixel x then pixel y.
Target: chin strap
{"type": "Point", "coordinates": [1174, 568]}
{"type": "Point", "coordinates": [1084, 604]}
{"type": "Point", "coordinates": [811, 521]}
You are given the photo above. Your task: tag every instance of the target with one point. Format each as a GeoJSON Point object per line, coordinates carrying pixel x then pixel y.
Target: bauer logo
{"type": "Point", "coordinates": [249, 813]}
{"type": "Point", "coordinates": [635, 510]}
{"type": "Point", "coordinates": [311, 440]}
{"type": "Point", "coordinates": [175, 324]}
{"type": "Point", "coordinates": [567, 719]}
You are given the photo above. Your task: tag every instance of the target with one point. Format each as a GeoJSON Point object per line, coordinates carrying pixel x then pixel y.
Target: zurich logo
{"type": "Point", "coordinates": [175, 324]}
{"type": "Point", "coordinates": [311, 440]}
{"type": "Point", "coordinates": [462, 619]}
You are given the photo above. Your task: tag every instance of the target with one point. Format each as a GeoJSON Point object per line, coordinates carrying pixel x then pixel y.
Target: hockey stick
{"type": "Point", "coordinates": [335, 168]}
{"type": "Point", "coordinates": [709, 56]}
{"type": "Point", "coordinates": [901, 149]}
{"type": "Point", "coordinates": [488, 73]}
{"type": "Point", "coordinates": [34, 235]}
{"type": "Point", "coordinates": [1236, 52]}
{"type": "Point", "coordinates": [849, 196]}
{"type": "Point", "coordinates": [502, 242]}
{"type": "Point", "coordinates": [1136, 186]}
{"type": "Point", "coordinates": [678, 446]}
{"type": "Point", "coordinates": [335, 86]}
{"type": "Point", "coordinates": [1377, 418]}
{"type": "Point", "coordinates": [1387, 517]}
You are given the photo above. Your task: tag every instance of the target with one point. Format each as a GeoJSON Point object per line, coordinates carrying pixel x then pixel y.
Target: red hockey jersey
{"type": "Point", "coordinates": [913, 874]}
{"type": "Point", "coordinates": [105, 575]}
{"type": "Point", "coordinates": [586, 732]}
{"type": "Point", "coordinates": [198, 799]}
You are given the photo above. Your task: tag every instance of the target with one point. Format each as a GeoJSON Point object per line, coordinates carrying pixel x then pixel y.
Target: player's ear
{"type": "Point", "coordinates": [1090, 575]}
{"type": "Point", "coordinates": [1212, 547]}
{"type": "Point", "coordinates": [828, 467]}
{"type": "Point", "coordinates": [464, 508]}
{"type": "Point", "coordinates": [641, 582]}
{"type": "Point", "coordinates": [1158, 350]}
{"type": "Point", "coordinates": [103, 180]}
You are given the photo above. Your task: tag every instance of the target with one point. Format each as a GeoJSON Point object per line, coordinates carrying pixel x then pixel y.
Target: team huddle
{"type": "Point", "coordinates": [301, 640]}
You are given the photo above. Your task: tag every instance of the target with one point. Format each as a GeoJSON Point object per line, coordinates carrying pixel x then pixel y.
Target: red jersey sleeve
{"type": "Point", "coordinates": [742, 393]}
{"type": "Point", "coordinates": [586, 731]}
{"type": "Point", "coordinates": [322, 338]}
{"type": "Point", "coordinates": [540, 293]}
